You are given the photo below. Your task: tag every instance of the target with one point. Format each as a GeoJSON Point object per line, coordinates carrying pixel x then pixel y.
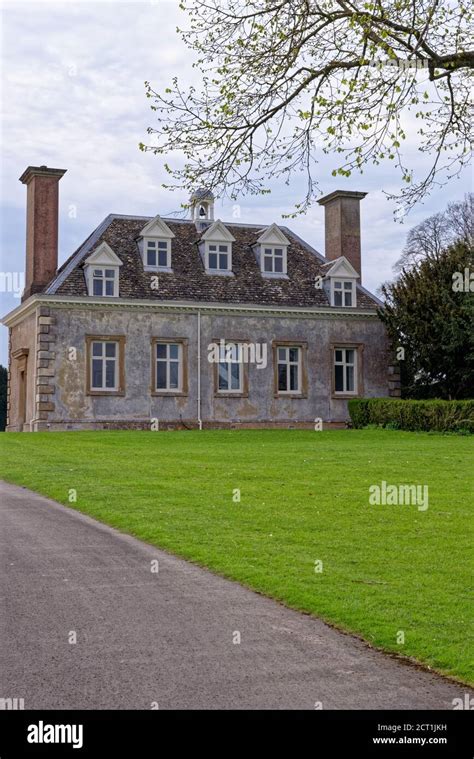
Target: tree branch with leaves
{"type": "Point", "coordinates": [283, 83]}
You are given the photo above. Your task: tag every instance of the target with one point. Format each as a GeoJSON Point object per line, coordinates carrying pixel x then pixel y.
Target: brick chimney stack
{"type": "Point", "coordinates": [41, 226]}
{"type": "Point", "coordinates": [342, 226]}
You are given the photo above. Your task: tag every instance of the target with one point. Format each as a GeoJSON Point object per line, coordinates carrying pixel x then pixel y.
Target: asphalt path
{"type": "Point", "coordinates": [86, 624]}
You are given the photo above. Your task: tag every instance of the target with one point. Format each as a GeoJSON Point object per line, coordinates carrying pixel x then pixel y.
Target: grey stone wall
{"type": "Point", "coordinates": [70, 407]}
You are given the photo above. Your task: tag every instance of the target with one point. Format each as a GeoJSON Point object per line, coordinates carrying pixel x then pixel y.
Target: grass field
{"type": "Point", "coordinates": [304, 499]}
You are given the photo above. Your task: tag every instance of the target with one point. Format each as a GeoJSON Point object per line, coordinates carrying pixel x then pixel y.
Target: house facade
{"type": "Point", "coordinates": [164, 323]}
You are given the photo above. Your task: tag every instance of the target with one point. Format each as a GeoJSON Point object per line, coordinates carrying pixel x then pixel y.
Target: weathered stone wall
{"type": "Point", "coordinates": [22, 350]}
{"type": "Point", "coordinates": [70, 407]}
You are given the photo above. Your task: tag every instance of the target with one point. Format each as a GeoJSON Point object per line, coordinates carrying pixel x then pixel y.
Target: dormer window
{"type": "Point", "coordinates": [274, 260]}
{"type": "Point", "coordinates": [217, 257]}
{"type": "Point", "coordinates": [155, 245]}
{"type": "Point", "coordinates": [271, 252]}
{"type": "Point", "coordinates": [343, 292]}
{"type": "Point", "coordinates": [215, 248]}
{"type": "Point", "coordinates": [102, 272]}
{"type": "Point", "coordinates": [340, 283]}
{"type": "Point", "coordinates": [104, 282]}
{"type": "Point", "coordinates": [157, 254]}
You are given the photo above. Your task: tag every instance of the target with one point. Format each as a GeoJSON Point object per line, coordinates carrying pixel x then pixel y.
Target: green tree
{"type": "Point", "coordinates": [429, 313]}
{"type": "Point", "coordinates": [3, 397]}
{"type": "Point", "coordinates": [282, 82]}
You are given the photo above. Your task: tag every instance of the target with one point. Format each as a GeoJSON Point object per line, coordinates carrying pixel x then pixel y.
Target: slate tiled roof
{"type": "Point", "coordinates": [189, 282]}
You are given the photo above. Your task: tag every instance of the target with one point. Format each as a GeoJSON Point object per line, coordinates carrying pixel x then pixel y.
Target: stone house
{"type": "Point", "coordinates": [161, 322]}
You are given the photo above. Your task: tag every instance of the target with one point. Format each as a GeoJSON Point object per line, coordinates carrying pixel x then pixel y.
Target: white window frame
{"type": "Point", "coordinates": [272, 248]}
{"type": "Point", "coordinates": [217, 244]}
{"type": "Point", "coordinates": [157, 241]}
{"type": "Point", "coordinates": [229, 360]}
{"type": "Point", "coordinates": [286, 361]}
{"type": "Point", "coordinates": [115, 279]}
{"type": "Point", "coordinates": [168, 361]}
{"type": "Point", "coordinates": [344, 363]}
{"type": "Point", "coordinates": [342, 281]}
{"type": "Point", "coordinates": [104, 359]}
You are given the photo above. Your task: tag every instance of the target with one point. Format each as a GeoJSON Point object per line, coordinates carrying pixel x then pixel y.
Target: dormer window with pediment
{"type": "Point", "coordinates": [101, 271]}
{"type": "Point", "coordinates": [215, 248]}
{"type": "Point", "coordinates": [341, 284]}
{"type": "Point", "coordinates": [155, 246]}
{"type": "Point", "coordinates": [272, 253]}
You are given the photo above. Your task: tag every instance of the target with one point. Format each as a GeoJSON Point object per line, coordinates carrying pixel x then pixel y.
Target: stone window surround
{"type": "Point", "coordinates": [121, 340]}
{"type": "Point", "coordinates": [303, 346]}
{"type": "Point", "coordinates": [244, 392]}
{"type": "Point", "coordinates": [183, 341]}
{"type": "Point", "coordinates": [359, 376]}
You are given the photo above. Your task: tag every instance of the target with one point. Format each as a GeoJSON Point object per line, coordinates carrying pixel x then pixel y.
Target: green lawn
{"type": "Point", "coordinates": [304, 498]}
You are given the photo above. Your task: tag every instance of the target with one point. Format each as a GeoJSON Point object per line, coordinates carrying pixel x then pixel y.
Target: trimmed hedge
{"type": "Point", "coordinates": [436, 415]}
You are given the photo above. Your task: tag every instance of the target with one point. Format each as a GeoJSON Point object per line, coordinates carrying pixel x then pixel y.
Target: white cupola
{"type": "Point", "coordinates": [202, 205]}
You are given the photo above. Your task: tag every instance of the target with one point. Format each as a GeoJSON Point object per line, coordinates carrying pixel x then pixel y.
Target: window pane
{"type": "Point", "coordinates": [161, 375]}
{"type": "Point", "coordinates": [98, 273]}
{"type": "Point", "coordinates": [268, 263]}
{"type": "Point", "coordinates": [109, 287]}
{"type": "Point", "coordinates": [96, 372]}
{"type": "Point", "coordinates": [110, 373]}
{"type": "Point", "coordinates": [350, 356]}
{"type": "Point", "coordinates": [161, 350]}
{"type": "Point", "coordinates": [223, 261]}
{"type": "Point", "coordinates": [282, 376]}
{"type": "Point", "coordinates": [339, 378]}
{"type": "Point", "coordinates": [278, 264]}
{"type": "Point", "coordinates": [110, 273]}
{"type": "Point", "coordinates": [151, 258]}
{"type": "Point", "coordinates": [163, 245]}
{"type": "Point", "coordinates": [338, 355]}
{"type": "Point", "coordinates": [338, 299]}
{"type": "Point", "coordinates": [293, 377]}
{"type": "Point", "coordinates": [348, 286]}
{"type": "Point", "coordinates": [162, 258]}
{"type": "Point", "coordinates": [223, 377]}
{"type": "Point", "coordinates": [174, 375]}
{"type": "Point", "coordinates": [222, 248]}
{"type": "Point", "coordinates": [235, 376]}
{"type": "Point", "coordinates": [348, 299]}
{"type": "Point", "coordinates": [97, 287]}
{"type": "Point", "coordinates": [213, 260]}
{"type": "Point", "coordinates": [350, 378]}
{"type": "Point", "coordinates": [337, 285]}
{"type": "Point", "coordinates": [293, 354]}
{"type": "Point", "coordinates": [282, 354]}
{"type": "Point", "coordinates": [97, 349]}
{"type": "Point", "coordinates": [278, 252]}
{"type": "Point", "coordinates": [151, 244]}
{"type": "Point", "coordinates": [212, 247]}
{"type": "Point", "coordinates": [174, 350]}
{"type": "Point", "coordinates": [110, 349]}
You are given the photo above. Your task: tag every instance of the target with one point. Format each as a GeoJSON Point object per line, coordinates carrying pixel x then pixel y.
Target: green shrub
{"type": "Point", "coordinates": [429, 415]}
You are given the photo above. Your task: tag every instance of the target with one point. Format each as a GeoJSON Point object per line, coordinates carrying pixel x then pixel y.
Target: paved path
{"type": "Point", "coordinates": [166, 637]}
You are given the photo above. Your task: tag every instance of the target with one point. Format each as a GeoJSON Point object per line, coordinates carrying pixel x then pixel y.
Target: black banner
{"type": "Point", "coordinates": [151, 733]}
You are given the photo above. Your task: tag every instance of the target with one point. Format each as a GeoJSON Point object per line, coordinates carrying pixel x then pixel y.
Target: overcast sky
{"type": "Point", "coordinates": [72, 90]}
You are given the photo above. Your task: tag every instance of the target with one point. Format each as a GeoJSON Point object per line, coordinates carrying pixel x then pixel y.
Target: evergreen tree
{"type": "Point", "coordinates": [429, 312]}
